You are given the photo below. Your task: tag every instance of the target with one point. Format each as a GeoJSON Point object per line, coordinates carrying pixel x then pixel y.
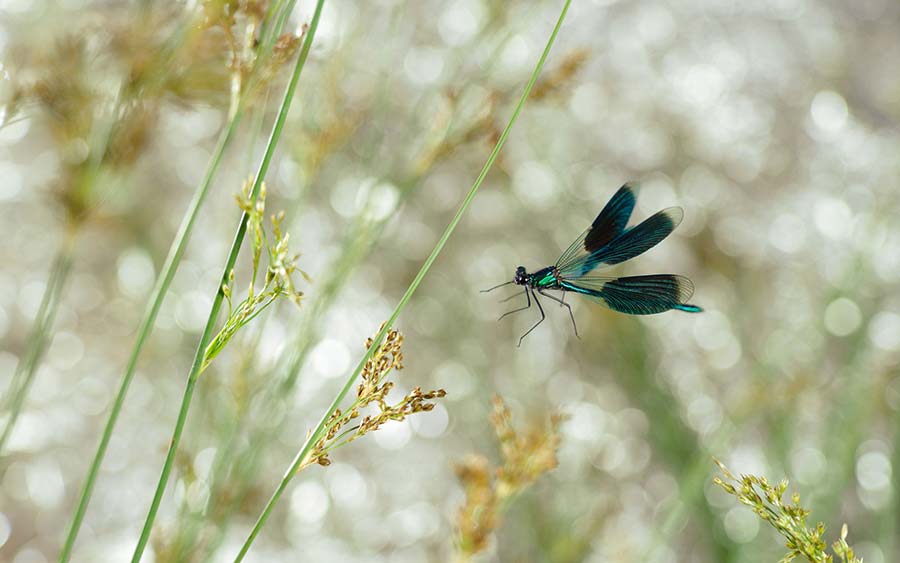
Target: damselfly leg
{"type": "Point", "coordinates": [562, 303]}
{"type": "Point", "coordinates": [513, 296]}
{"type": "Point", "coordinates": [520, 308]}
{"type": "Point", "coordinates": [543, 316]}
{"type": "Point", "coordinates": [497, 286]}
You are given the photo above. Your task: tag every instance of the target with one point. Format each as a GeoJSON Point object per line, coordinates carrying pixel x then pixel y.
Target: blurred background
{"type": "Point", "coordinates": [774, 124]}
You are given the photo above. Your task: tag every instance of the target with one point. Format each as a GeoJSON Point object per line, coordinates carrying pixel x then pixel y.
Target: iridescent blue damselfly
{"type": "Point", "coordinates": [605, 243]}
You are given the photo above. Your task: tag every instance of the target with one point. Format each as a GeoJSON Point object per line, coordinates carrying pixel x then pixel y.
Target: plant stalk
{"type": "Point", "coordinates": [320, 427]}
{"type": "Point", "coordinates": [217, 302]}
{"type": "Point", "coordinates": [167, 274]}
{"type": "Point", "coordinates": [173, 259]}
{"type": "Point", "coordinates": [40, 334]}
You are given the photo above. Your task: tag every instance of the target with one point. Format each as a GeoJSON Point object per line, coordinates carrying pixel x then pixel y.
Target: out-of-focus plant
{"type": "Point", "coordinates": [526, 457]}
{"type": "Point", "coordinates": [252, 34]}
{"type": "Point", "coordinates": [98, 133]}
{"type": "Point", "coordinates": [789, 519]}
{"type": "Point", "coordinates": [557, 81]}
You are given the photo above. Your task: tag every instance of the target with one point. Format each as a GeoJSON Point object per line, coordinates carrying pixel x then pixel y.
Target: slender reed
{"type": "Point", "coordinates": [160, 289]}
{"type": "Point", "coordinates": [103, 134]}
{"type": "Point", "coordinates": [158, 294]}
{"type": "Point", "coordinates": [103, 131]}
{"type": "Point", "coordinates": [40, 334]}
{"type": "Point", "coordinates": [229, 265]}
{"type": "Point", "coordinates": [320, 429]}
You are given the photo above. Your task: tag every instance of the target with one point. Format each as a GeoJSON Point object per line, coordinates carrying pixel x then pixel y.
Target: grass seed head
{"type": "Point", "coordinates": [372, 391]}
{"type": "Point", "coordinates": [788, 519]}
{"type": "Point", "coordinates": [526, 457]}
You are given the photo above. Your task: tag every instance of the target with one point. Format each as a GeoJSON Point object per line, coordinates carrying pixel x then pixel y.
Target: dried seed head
{"type": "Point", "coordinates": [372, 391]}
{"type": "Point", "coordinates": [561, 76]}
{"type": "Point", "coordinates": [525, 459]}
{"type": "Point", "coordinates": [285, 47]}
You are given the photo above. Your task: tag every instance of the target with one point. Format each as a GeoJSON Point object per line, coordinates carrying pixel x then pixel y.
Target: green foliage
{"type": "Point", "coordinates": [278, 281]}
{"type": "Point", "coordinates": [789, 519]}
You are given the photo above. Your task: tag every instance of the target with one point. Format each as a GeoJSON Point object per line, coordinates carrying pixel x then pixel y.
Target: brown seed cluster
{"type": "Point", "coordinates": [480, 515]}
{"type": "Point", "coordinates": [372, 391]}
{"type": "Point", "coordinates": [559, 78]}
{"type": "Point", "coordinates": [241, 24]}
{"type": "Point", "coordinates": [286, 45]}
{"type": "Point", "coordinates": [63, 81]}
{"type": "Point", "coordinates": [525, 458]}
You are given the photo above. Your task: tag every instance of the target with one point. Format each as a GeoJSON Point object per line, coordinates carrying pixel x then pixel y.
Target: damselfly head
{"type": "Point", "coordinates": [521, 277]}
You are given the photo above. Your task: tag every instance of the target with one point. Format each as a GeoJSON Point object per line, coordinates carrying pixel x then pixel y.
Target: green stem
{"type": "Point", "coordinates": [217, 302]}
{"type": "Point", "coordinates": [173, 259]}
{"type": "Point", "coordinates": [159, 292]}
{"type": "Point", "coordinates": [317, 433]}
{"type": "Point", "coordinates": [40, 334]}
{"type": "Point", "coordinates": [246, 461]}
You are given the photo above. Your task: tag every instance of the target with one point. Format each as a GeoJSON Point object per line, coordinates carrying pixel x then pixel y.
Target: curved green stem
{"type": "Point", "coordinates": [217, 302]}
{"type": "Point", "coordinates": [320, 427]}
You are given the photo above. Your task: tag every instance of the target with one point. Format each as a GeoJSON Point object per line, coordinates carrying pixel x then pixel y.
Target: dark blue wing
{"type": "Point", "coordinates": [637, 295]}
{"type": "Point", "coordinates": [609, 224]}
{"type": "Point", "coordinates": [630, 243]}
{"type": "Point", "coordinates": [612, 219]}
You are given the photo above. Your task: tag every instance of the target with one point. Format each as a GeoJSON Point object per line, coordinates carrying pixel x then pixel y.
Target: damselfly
{"type": "Point", "coordinates": [605, 243]}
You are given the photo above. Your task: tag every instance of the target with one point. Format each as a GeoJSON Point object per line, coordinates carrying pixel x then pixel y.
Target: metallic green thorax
{"type": "Point", "coordinates": [548, 278]}
{"type": "Point", "coordinates": [544, 279]}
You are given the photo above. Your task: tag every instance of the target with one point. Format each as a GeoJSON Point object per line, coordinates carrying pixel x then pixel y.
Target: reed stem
{"type": "Point", "coordinates": [217, 302]}
{"type": "Point", "coordinates": [321, 426]}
